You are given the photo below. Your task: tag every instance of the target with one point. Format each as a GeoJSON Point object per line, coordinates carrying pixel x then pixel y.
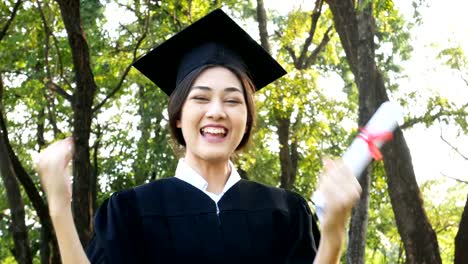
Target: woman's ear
{"type": "Point", "coordinates": [178, 125]}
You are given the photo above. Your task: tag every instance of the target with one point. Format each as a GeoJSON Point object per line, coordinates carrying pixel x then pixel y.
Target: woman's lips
{"type": "Point", "coordinates": [214, 134]}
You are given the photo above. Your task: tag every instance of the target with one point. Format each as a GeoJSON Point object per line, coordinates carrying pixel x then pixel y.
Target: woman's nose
{"type": "Point", "coordinates": [216, 110]}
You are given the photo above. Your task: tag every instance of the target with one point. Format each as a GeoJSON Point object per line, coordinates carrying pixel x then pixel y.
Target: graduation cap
{"type": "Point", "coordinates": [214, 39]}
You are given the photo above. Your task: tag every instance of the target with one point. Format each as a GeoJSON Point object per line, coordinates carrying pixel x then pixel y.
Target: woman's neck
{"type": "Point", "coordinates": [215, 173]}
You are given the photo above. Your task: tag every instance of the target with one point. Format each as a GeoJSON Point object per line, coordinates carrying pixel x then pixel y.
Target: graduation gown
{"type": "Point", "coordinates": [170, 221]}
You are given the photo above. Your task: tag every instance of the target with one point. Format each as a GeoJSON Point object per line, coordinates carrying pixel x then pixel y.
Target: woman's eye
{"type": "Point", "coordinates": [200, 98]}
{"type": "Point", "coordinates": [233, 101]}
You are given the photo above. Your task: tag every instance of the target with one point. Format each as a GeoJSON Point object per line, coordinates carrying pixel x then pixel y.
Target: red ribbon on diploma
{"type": "Point", "coordinates": [371, 138]}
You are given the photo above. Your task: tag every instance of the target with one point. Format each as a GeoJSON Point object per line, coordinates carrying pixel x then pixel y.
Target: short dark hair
{"type": "Point", "coordinates": [180, 94]}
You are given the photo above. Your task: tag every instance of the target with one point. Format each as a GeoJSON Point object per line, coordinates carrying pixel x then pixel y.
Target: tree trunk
{"type": "Point", "coordinates": [22, 250]}
{"type": "Point", "coordinates": [48, 239]}
{"type": "Point", "coordinates": [413, 225]}
{"type": "Point", "coordinates": [355, 252]}
{"type": "Point", "coordinates": [288, 170]}
{"type": "Point", "coordinates": [40, 128]}
{"type": "Point", "coordinates": [47, 231]}
{"type": "Point", "coordinates": [10, 19]}
{"type": "Point", "coordinates": [139, 166]}
{"type": "Point", "coordinates": [18, 228]}
{"type": "Point", "coordinates": [262, 26]}
{"type": "Point", "coordinates": [367, 105]}
{"type": "Point", "coordinates": [94, 175]}
{"type": "Point", "coordinates": [83, 97]}
{"type": "Point", "coordinates": [45, 236]}
{"type": "Point", "coordinates": [461, 240]}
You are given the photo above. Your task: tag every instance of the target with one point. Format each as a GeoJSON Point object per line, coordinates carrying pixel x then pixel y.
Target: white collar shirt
{"type": "Point", "coordinates": [187, 174]}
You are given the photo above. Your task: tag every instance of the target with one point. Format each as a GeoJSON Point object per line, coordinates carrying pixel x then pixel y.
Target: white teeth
{"type": "Point", "coordinates": [213, 130]}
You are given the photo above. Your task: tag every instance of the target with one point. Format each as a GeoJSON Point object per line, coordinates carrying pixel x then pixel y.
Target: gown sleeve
{"type": "Point", "coordinates": [305, 235]}
{"type": "Point", "coordinates": [116, 231]}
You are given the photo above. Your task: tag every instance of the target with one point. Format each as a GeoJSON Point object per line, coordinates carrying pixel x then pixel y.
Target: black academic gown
{"type": "Point", "coordinates": [170, 221]}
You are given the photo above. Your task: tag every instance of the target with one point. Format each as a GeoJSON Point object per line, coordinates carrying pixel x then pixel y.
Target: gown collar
{"type": "Point", "coordinates": [187, 174]}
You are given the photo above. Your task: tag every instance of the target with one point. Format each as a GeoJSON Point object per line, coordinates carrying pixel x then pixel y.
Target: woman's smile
{"type": "Point", "coordinates": [214, 115]}
{"type": "Point", "coordinates": [214, 133]}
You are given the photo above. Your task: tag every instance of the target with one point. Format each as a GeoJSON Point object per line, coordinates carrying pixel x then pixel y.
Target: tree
{"type": "Point", "coordinates": [122, 120]}
{"type": "Point", "coordinates": [12, 169]}
{"type": "Point", "coordinates": [461, 238]}
{"type": "Point", "coordinates": [456, 59]}
{"type": "Point", "coordinates": [290, 110]}
{"type": "Point", "coordinates": [7, 173]}
{"type": "Point", "coordinates": [17, 226]}
{"type": "Point", "coordinates": [84, 185]}
{"type": "Point", "coordinates": [354, 24]}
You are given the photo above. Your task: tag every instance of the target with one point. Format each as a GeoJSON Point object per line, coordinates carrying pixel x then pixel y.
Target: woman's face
{"type": "Point", "coordinates": [214, 116]}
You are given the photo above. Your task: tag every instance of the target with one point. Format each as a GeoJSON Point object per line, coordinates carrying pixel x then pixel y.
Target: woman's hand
{"type": "Point", "coordinates": [54, 172]}
{"type": "Point", "coordinates": [341, 191]}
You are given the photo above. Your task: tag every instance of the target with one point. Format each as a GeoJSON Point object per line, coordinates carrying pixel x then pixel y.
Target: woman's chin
{"type": "Point", "coordinates": [215, 154]}
{"type": "Point", "coordinates": [216, 157]}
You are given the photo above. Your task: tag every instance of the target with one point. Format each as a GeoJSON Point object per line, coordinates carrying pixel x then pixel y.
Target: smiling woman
{"type": "Point", "coordinates": [206, 213]}
{"type": "Point", "coordinates": [213, 120]}
{"type": "Point", "coordinates": [214, 116]}
{"type": "Point", "coordinates": [240, 91]}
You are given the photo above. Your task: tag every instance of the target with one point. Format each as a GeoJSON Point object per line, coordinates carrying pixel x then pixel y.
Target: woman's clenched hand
{"type": "Point", "coordinates": [55, 173]}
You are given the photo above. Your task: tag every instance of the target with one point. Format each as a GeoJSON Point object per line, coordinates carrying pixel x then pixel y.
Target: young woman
{"type": "Point", "coordinates": [206, 213]}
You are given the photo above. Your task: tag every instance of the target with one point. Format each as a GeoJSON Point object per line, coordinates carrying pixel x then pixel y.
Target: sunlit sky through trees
{"type": "Point", "coordinates": [442, 26]}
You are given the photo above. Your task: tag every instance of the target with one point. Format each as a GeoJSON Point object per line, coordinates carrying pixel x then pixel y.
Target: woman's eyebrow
{"type": "Point", "coordinates": [233, 89]}
{"type": "Point", "coordinates": [227, 89]}
{"type": "Point", "coordinates": [204, 88]}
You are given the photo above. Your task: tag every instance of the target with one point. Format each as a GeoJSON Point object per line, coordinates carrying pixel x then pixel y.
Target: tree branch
{"type": "Point", "coordinates": [462, 76]}
{"type": "Point", "coordinates": [127, 29]}
{"type": "Point", "coordinates": [179, 24]}
{"type": "Point", "coordinates": [127, 7]}
{"type": "Point", "coordinates": [428, 116]}
{"type": "Point", "coordinates": [290, 50]}
{"type": "Point", "coordinates": [48, 34]}
{"type": "Point", "coordinates": [60, 61]}
{"type": "Point", "coordinates": [314, 55]}
{"type": "Point", "coordinates": [10, 20]}
{"type": "Point", "coordinates": [94, 175]}
{"type": "Point", "coordinates": [345, 21]}
{"type": "Point", "coordinates": [314, 17]}
{"type": "Point", "coordinates": [29, 187]}
{"type": "Point", "coordinates": [1, 93]}
{"type": "Point", "coordinates": [127, 70]}
{"type": "Point", "coordinates": [59, 90]}
{"type": "Point", "coordinates": [453, 178]}
{"type": "Point", "coordinates": [453, 147]}
{"type": "Point", "coordinates": [51, 116]}
{"type": "Point", "coordinates": [262, 25]}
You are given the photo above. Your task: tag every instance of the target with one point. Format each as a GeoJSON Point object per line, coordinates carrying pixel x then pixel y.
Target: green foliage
{"type": "Point", "coordinates": [444, 202]}
{"type": "Point", "coordinates": [456, 59]}
{"type": "Point", "coordinates": [130, 129]}
{"type": "Point", "coordinates": [6, 243]}
{"type": "Point", "coordinates": [393, 45]}
{"type": "Point", "coordinates": [91, 12]}
{"type": "Point", "coordinates": [383, 241]}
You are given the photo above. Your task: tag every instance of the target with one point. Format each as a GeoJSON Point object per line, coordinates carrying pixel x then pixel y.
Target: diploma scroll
{"type": "Point", "coordinates": [366, 145]}
{"type": "Point", "coordinates": [385, 120]}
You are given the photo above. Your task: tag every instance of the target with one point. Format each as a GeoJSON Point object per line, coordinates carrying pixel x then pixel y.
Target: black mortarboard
{"type": "Point", "coordinates": [214, 39]}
